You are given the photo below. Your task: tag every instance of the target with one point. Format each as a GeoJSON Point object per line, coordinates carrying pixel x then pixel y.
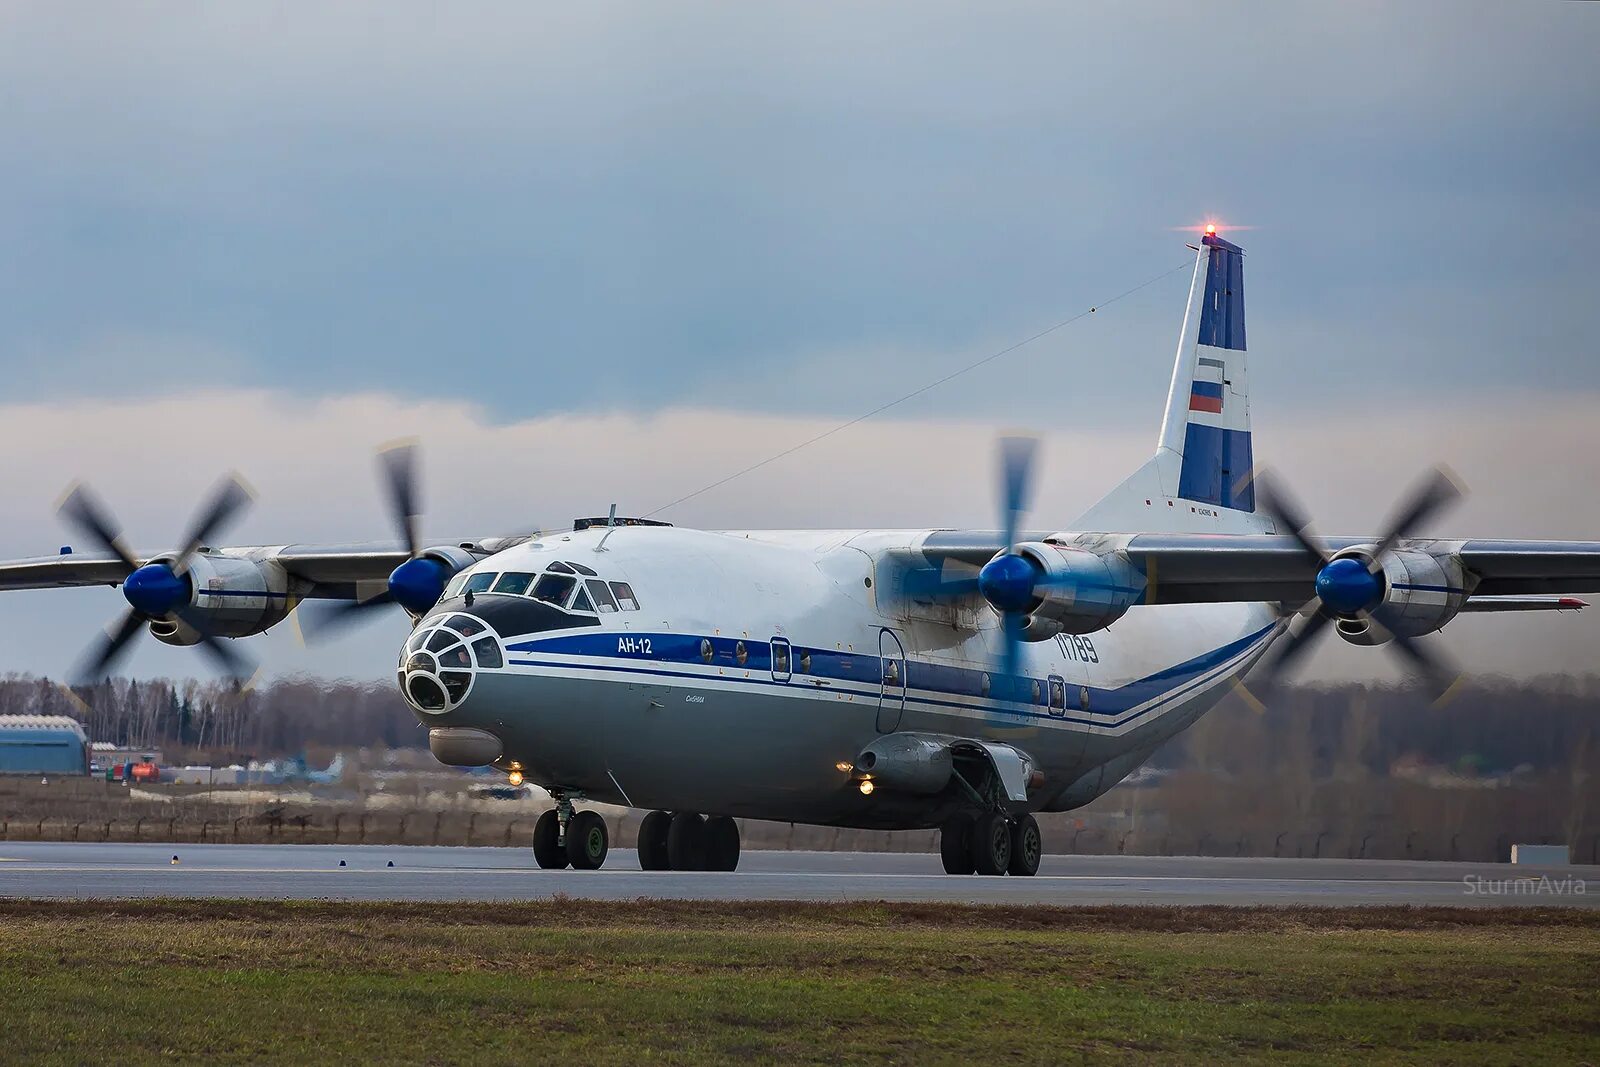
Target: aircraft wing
{"type": "Point", "coordinates": [318, 570]}
{"type": "Point", "coordinates": [1204, 569]}
{"type": "Point", "coordinates": [54, 572]}
{"type": "Point", "coordinates": [1217, 568]}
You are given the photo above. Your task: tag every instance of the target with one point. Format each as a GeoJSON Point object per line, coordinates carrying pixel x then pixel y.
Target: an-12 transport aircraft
{"type": "Point", "coordinates": [898, 679]}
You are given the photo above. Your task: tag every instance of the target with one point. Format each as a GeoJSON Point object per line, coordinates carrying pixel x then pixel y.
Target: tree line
{"type": "Point", "coordinates": [1488, 724]}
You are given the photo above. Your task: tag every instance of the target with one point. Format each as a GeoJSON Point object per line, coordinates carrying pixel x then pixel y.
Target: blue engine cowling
{"type": "Point", "coordinates": [1416, 593]}
{"type": "Point", "coordinates": [1060, 590]}
{"type": "Point", "coordinates": [230, 596]}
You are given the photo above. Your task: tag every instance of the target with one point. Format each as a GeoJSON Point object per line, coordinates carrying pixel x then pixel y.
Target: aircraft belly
{"type": "Point", "coordinates": [723, 749]}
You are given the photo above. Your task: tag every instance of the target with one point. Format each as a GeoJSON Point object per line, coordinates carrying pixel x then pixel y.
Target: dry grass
{"type": "Point", "coordinates": [659, 981]}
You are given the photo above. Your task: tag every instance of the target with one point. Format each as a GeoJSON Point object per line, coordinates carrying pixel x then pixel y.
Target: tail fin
{"type": "Point", "coordinates": [1199, 477]}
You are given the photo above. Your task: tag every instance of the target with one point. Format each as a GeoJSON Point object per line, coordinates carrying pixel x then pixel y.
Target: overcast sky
{"type": "Point", "coordinates": [601, 252]}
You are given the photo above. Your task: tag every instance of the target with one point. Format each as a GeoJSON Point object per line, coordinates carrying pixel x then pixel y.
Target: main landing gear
{"type": "Point", "coordinates": [564, 837]}
{"type": "Point", "coordinates": [685, 841]}
{"type": "Point", "coordinates": [991, 843]}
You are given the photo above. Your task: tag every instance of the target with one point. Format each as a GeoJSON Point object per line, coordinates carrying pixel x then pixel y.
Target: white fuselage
{"type": "Point", "coordinates": [757, 665]}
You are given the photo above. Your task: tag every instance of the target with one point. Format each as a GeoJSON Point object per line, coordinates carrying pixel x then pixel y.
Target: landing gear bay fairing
{"type": "Point", "coordinates": [896, 679]}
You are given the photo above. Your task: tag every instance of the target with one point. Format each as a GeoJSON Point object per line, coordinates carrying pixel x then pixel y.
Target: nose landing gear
{"type": "Point", "coordinates": [564, 837]}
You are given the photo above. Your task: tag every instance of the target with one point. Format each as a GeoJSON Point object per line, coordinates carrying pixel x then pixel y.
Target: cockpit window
{"type": "Point", "coordinates": [560, 568]}
{"type": "Point", "coordinates": [581, 602]}
{"type": "Point", "coordinates": [554, 588]}
{"type": "Point", "coordinates": [480, 582]}
{"type": "Point", "coordinates": [454, 588]}
{"type": "Point", "coordinates": [581, 569]}
{"type": "Point", "coordinates": [625, 598]}
{"type": "Point", "coordinates": [604, 602]}
{"type": "Point", "coordinates": [515, 582]}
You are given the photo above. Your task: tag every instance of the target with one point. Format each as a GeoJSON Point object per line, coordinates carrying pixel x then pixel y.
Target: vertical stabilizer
{"type": "Point", "coordinates": [1199, 478]}
{"type": "Point", "coordinates": [1208, 408]}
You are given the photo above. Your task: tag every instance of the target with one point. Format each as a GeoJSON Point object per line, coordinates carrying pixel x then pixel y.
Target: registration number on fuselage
{"type": "Point", "coordinates": [1078, 648]}
{"type": "Point", "coordinates": [633, 646]}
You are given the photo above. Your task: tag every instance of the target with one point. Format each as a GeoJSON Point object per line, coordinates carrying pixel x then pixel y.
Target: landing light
{"type": "Point", "coordinates": [515, 777]}
{"type": "Point", "coordinates": [866, 787]}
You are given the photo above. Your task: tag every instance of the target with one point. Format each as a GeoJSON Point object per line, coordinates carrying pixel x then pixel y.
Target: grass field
{"type": "Point", "coordinates": [590, 982]}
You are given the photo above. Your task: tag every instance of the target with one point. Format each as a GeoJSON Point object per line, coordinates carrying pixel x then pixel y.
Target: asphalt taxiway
{"type": "Point", "coordinates": [376, 872]}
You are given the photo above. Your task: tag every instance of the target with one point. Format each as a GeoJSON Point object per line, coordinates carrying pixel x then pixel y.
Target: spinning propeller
{"type": "Point", "coordinates": [1353, 589]}
{"type": "Point", "coordinates": [1010, 581]}
{"type": "Point", "coordinates": [418, 583]}
{"type": "Point", "coordinates": [162, 588]}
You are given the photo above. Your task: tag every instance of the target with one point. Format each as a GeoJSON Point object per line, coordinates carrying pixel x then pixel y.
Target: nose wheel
{"type": "Point", "coordinates": [566, 838]}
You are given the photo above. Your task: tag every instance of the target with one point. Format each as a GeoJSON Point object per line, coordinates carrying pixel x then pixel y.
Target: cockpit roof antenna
{"type": "Point", "coordinates": [611, 527]}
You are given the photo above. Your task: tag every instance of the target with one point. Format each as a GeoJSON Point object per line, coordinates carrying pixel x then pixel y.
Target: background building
{"type": "Point", "coordinates": [42, 744]}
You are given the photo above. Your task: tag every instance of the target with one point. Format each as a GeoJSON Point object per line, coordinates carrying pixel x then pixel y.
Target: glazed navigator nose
{"type": "Point", "coordinates": [442, 660]}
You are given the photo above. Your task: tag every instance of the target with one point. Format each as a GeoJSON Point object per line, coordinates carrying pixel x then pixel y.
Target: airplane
{"type": "Point", "coordinates": [894, 679]}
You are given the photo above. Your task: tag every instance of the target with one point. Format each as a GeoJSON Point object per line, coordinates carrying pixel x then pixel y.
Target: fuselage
{"type": "Point", "coordinates": [747, 670]}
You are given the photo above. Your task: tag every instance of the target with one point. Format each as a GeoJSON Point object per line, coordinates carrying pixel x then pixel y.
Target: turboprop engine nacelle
{"type": "Point", "coordinates": [1069, 590]}
{"type": "Point", "coordinates": [229, 596]}
{"type": "Point", "coordinates": [1421, 592]}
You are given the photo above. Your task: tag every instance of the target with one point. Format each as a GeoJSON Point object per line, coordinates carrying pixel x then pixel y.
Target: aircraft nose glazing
{"type": "Point", "coordinates": [442, 660]}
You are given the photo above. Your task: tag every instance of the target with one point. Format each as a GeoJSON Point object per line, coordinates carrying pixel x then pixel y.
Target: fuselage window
{"type": "Point", "coordinates": [554, 588]}
{"type": "Point", "coordinates": [625, 598]}
{"type": "Point", "coordinates": [780, 657]}
{"type": "Point", "coordinates": [602, 596]}
{"type": "Point", "coordinates": [805, 663]}
{"type": "Point", "coordinates": [741, 653]}
{"type": "Point", "coordinates": [581, 602]}
{"type": "Point", "coordinates": [1058, 695]}
{"type": "Point", "coordinates": [441, 639]}
{"type": "Point", "coordinates": [560, 568]}
{"type": "Point", "coordinates": [480, 583]}
{"type": "Point", "coordinates": [581, 569]}
{"type": "Point", "coordinates": [514, 582]}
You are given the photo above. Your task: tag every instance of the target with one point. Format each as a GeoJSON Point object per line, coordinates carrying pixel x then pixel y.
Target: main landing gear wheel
{"type": "Point", "coordinates": [547, 850]}
{"type": "Point", "coordinates": [722, 844]}
{"type": "Point", "coordinates": [686, 842]}
{"type": "Point", "coordinates": [955, 845]}
{"type": "Point", "coordinates": [587, 841]}
{"type": "Point", "coordinates": [1027, 846]}
{"type": "Point", "coordinates": [991, 843]}
{"type": "Point", "coordinates": [653, 841]}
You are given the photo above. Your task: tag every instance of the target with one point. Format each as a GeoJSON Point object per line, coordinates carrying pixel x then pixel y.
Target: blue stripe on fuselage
{"type": "Point", "coordinates": [667, 650]}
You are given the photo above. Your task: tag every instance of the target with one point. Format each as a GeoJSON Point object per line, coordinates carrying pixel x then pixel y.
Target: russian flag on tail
{"type": "Point", "coordinates": [1206, 396]}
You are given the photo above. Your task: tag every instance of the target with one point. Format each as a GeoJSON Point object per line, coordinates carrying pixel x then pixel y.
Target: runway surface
{"type": "Point", "coordinates": [52, 869]}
